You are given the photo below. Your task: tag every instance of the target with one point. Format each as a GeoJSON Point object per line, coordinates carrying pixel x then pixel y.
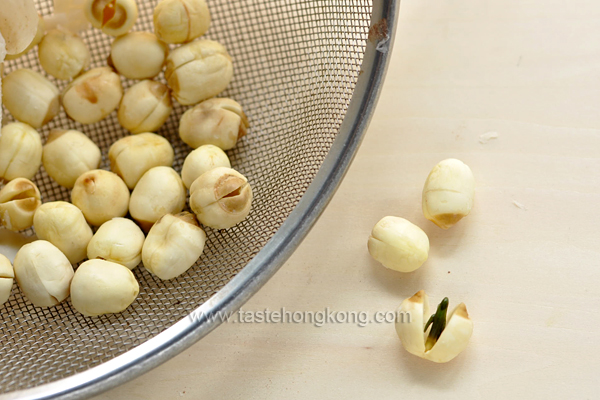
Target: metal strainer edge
{"type": "Point", "coordinates": [257, 272]}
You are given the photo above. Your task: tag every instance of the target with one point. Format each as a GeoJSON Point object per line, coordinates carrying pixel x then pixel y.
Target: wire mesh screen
{"type": "Point", "coordinates": [296, 64]}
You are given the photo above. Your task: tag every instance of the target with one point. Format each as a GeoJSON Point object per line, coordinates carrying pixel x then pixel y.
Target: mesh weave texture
{"type": "Point", "coordinates": [296, 65]}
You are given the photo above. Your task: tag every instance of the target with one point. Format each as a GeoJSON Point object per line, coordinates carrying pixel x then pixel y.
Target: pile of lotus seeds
{"type": "Point", "coordinates": [166, 240]}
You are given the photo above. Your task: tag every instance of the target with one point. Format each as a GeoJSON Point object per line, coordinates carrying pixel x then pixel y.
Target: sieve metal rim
{"type": "Point", "coordinates": [257, 272]}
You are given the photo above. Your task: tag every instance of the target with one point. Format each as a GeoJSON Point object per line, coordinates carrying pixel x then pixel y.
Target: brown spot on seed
{"type": "Point", "coordinates": [461, 311]}
{"type": "Point", "coordinates": [19, 189]}
{"type": "Point", "coordinates": [243, 126]}
{"type": "Point", "coordinates": [188, 217]}
{"type": "Point", "coordinates": [242, 131]}
{"type": "Point", "coordinates": [445, 221]}
{"type": "Point", "coordinates": [29, 204]}
{"type": "Point", "coordinates": [237, 200]}
{"type": "Point", "coordinates": [418, 297]}
{"type": "Point", "coordinates": [87, 91]}
{"type": "Point", "coordinates": [25, 190]}
{"type": "Point", "coordinates": [89, 183]}
{"type": "Point", "coordinates": [227, 184]}
{"type": "Point", "coordinates": [157, 89]}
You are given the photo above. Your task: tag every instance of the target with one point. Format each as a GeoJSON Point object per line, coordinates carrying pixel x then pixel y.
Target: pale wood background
{"type": "Point", "coordinates": [526, 69]}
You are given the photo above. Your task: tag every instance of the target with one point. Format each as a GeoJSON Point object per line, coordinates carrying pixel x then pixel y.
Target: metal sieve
{"type": "Point", "coordinates": [308, 74]}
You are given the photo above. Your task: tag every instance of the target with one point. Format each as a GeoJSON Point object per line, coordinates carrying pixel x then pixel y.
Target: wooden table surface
{"type": "Point", "coordinates": [526, 261]}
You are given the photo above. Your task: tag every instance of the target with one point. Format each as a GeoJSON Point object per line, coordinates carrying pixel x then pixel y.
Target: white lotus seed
{"type": "Point", "coordinates": [198, 71]}
{"type": "Point", "coordinates": [218, 121]}
{"type": "Point", "coordinates": [448, 193]}
{"type": "Point", "coordinates": [101, 196]}
{"type": "Point", "coordinates": [113, 17]}
{"type": "Point", "coordinates": [202, 160]}
{"type": "Point", "coordinates": [398, 244]}
{"type": "Point", "coordinates": [19, 25]}
{"type": "Point", "coordinates": [7, 275]}
{"type": "Point", "coordinates": [63, 225]}
{"type": "Point", "coordinates": [43, 273]}
{"type": "Point", "coordinates": [39, 35]}
{"type": "Point", "coordinates": [138, 55]}
{"type": "Point", "coordinates": [91, 97]}
{"type": "Point", "coordinates": [30, 97]}
{"type": "Point", "coordinates": [20, 151]}
{"type": "Point", "coordinates": [159, 191]}
{"type": "Point", "coordinates": [63, 54]}
{"type": "Point", "coordinates": [221, 198]}
{"type": "Point", "coordinates": [19, 200]}
{"type": "Point", "coordinates": [181, 21]}
{"type": "Point", "coordinates": [119, 240]}
{"type": "Point", "coordinates": [132, 156]}
{"type": "Point", "coordinates": [145, 107]}
{"type": "Point", "coordinates": [68, 154]}
{"type": "Point", "coordinates": [447, 334]}
{"type": "Point", "coordinates": [103, 287]}
{"type": "Point", "coordinates": [173, 245]}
